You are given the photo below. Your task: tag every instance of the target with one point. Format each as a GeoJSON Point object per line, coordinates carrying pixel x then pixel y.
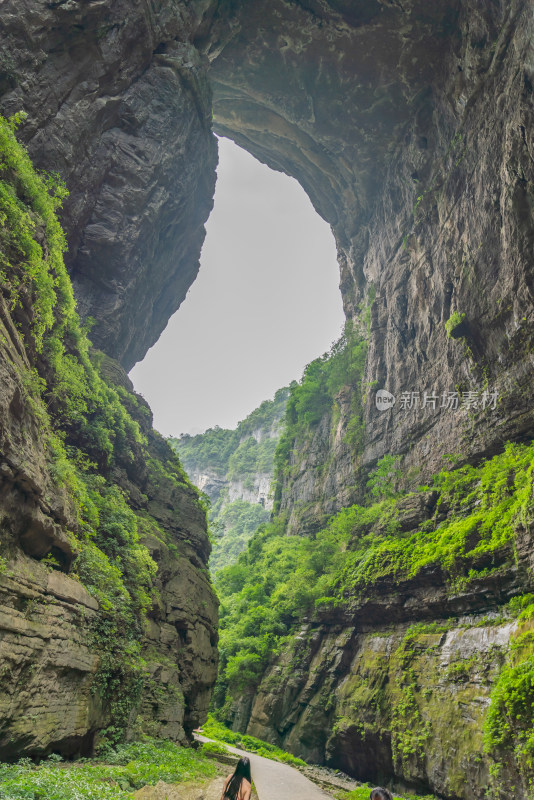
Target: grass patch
{"type": "Point", "coordinates": [363, 792]}
{"type": "Point", "coordinates": [216, 730]}
{"type": "Point", "coordinates": [113, 776]}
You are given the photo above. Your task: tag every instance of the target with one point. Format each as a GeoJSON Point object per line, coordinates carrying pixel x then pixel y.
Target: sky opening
{"type": "Point", "coordinates": [266, 302]}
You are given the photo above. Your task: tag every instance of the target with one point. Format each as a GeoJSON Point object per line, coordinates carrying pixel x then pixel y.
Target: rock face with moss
{"type": "Point", "coordinates": [119, 104]}
{"type": "Point", "coordinates": [410, 125]}
{"type": "Point", "coordinates": [407, 703]}
{"type": "Point", "coordinates": [235, 469]}
{"type": "Point", "coordinates": [107, 615]}
{"type": "Point", "coordinates": [396, 642]}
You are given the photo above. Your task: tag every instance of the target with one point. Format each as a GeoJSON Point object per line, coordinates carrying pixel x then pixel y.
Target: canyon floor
{"type": "Point", "coordinates": [276, 781]}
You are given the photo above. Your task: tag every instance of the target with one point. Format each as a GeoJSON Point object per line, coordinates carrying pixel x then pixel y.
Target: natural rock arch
{"type": "Point", "coordinates": [409, 125]}
{"type": "Point", "coordinates": [379, 109]}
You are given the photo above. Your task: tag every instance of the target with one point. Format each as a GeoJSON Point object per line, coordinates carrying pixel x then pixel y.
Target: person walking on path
{"type": "Point", "coordinates": [238, 786]}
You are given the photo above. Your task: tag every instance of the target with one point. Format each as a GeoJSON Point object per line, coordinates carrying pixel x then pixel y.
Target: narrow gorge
{"type": "Point", "coordinates": [235, 469]}
{"type": "Point", "coordinates": [380, 620]}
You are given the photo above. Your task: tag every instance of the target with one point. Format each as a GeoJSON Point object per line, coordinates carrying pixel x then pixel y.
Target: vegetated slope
{"type": "Point", "coordinates": [114, 775]}
{"type": "Point", "coordinates": [107, 615]}
{"type": "Point", "coordinates": [235, 469]}
{"type": "Point", "coordinates": [394, 641]}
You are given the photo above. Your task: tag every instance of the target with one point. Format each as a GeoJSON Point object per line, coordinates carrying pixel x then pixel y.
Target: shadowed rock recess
{"type": "Point", "coordinates": [409, 124]}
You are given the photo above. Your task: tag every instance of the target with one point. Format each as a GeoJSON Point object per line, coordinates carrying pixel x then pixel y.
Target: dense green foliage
{"type": "Point", "coordinates": [381, 484]}
{"type": "Point", "coordinates": [26, 201]}
{"type": "Point", "coordinates": [280, 579]}
{"type": "Point", "coordinates": [509, 727]}
{"type": "Point", "coordinates": [216, 730]}
{"type": "Point", "coordinates": [239, 455]}
{"type": "Point", "coordinates": [233, 526]}
{"type": "Point", "coordinates": [317, 395]}
{"type": "Point", "coordinates": [114, 776]}
{"type": "Point", "coordinates": [73, 391]}
{"type": "Point", "coordinates": [234, 453]}
{"type": "Point", "coordinates": [84, 426]}
{"type": "Point", "coordinates": [363, 792]}
{"type": "Point", "coordinates": [454, 321]}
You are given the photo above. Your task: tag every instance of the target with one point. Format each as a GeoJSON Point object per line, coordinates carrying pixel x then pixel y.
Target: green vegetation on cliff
{"type": "Point", "coordinates": [509, 727]}
{"type": "Point", "coordinates": [317, 395]}
{"type": "Point", "coordinates": [89, 436]}
{"type": "Point", "coordinates": [233, 525]}
{"type": "Point", "coordinates": [234, 453]}
{"type": "Point", "coordinates": [242, 457]}
{"type": "Point", "coordinates": [279, 580]}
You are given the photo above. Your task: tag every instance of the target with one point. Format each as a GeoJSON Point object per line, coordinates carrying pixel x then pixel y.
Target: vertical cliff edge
{"type": "Point", "coordinates": [396, 639]}
{"type": "Point", "coordinates": [107, 616]}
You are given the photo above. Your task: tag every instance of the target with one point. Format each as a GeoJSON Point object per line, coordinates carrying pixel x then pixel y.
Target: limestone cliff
{"type": "Point", "coordinates": [107, 615]}
{"type": "Point", "coordinates": [119, 105]}
{"type": "Point", "coordinates": [410, 126]}
{"type": "Point", "coordinates": [379, 109]}
{"type": "Point", "coordinates": [393, 681]}
{"type": "Point", "coordinates": [234, 468]}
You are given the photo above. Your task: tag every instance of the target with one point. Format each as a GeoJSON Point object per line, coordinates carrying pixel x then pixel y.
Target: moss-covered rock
{"type": "Point", "coordinates": [104, 544]}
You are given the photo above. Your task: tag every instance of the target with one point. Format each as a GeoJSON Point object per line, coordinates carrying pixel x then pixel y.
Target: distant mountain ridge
{"type": "Point", "coordinates": [235, 469]}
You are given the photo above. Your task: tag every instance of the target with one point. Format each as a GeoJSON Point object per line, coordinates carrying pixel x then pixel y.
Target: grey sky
{"type": "Point", "coordinates": [265, 303]}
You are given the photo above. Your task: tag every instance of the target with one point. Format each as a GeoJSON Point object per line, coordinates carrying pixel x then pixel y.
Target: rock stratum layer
{"type": "Point", "coordinates": [410, 126]}
{"type": "Point", "coordinates": [108, 621]}
{"type": "Point", "coordinates": [393, 681]}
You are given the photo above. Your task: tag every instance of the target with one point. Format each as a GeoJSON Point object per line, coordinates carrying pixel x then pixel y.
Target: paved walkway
{"type": "Point", "coordinates": [275, 781]}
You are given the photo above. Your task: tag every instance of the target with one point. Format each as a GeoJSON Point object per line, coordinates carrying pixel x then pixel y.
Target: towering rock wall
{"type": "Point", "coordinates": [107, 615]}
{"type": "Point", "coordinates": [379, 109]}
{"type": "Point", "coordinates": [119, 105]}
{"type": "Point", "coordinates": [393, 682]}
{"type": "Point", "coordinates": [410, 126]}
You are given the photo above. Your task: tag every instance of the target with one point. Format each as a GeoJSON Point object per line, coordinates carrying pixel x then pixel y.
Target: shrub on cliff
{"type": "Point", "coordinates": [281, 579]}
{"type": "Point", "coordinates": [84, 426]}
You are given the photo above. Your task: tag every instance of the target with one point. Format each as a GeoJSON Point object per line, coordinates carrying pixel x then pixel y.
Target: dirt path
{"type": "Point", "coordinates": [275, 781]}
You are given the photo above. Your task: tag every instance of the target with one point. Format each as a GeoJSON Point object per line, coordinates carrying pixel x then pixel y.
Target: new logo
{"type": "Point", "coordinates": [384, 400]}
